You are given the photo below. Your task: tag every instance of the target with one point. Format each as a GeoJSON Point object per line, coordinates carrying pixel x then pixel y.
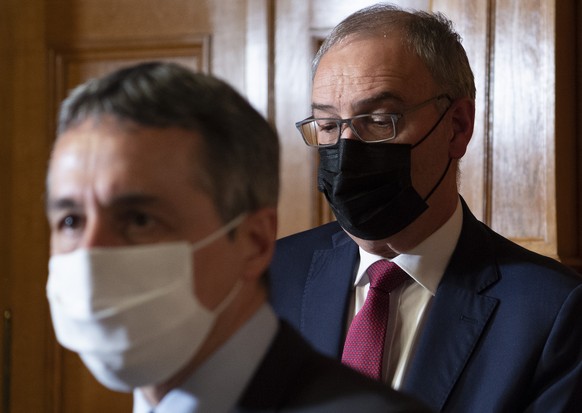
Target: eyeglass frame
{"type": "Point", "coordinates": [395, 117]}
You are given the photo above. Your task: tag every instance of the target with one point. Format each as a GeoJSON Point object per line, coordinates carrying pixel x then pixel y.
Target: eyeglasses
{"type": "Point", "coordinates": [369, 128]}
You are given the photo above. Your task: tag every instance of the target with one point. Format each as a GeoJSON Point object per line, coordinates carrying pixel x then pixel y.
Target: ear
{"type": "Point", "coordinates": [257, 235]}
{"type": "Point", "coordinates": [463, 120]}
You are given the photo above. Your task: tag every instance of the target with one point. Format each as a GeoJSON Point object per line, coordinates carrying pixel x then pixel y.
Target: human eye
{"type": "Point", "coordinates": [380, 120]}
{"type": "Point", "coordinates": [327, 131]}
{"type": "Point", "coordinates": [139, 225]}
{"type": "Point", "coordinates": [376, 127]}
{"type": "Point", "coordinates": [326, 125]}
{"type": "Point", "coordinates": [66, 222]}
{"type": "Point", "coordinates": [138, 220]}
{"type": "Point", "coordinates": [66, 228]}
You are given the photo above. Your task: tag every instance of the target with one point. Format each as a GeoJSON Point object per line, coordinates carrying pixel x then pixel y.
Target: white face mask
{"type": "Point", "coordinates": [131, 312]}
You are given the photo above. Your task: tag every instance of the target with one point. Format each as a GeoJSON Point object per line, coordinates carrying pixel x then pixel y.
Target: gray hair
{"type": "Point", "coordinates": [430, 35]}
{"type": "Point", "coordinates": [240, 155]}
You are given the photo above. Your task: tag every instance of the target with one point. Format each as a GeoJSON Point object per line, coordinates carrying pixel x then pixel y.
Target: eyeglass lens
{"type": "Point", "coordinates": [369, 128]}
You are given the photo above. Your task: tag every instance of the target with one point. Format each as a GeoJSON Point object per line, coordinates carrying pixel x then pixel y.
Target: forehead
{"type": "Point", "coordinates": [360, 67]}
{"type": "Point", "coordinates": [108, 156]}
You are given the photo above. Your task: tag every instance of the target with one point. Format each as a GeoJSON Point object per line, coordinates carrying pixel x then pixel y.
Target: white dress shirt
{"type": "Point", "coordinates": [409, 303]}
{"type": "Point", "coordinates": [218, 383]}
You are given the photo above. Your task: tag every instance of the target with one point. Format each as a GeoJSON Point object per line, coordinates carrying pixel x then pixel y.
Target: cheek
{"type": "Point", "coordinates": [203, 280]}
{"type": "Point", "coordinates": [56, 247]}
{"type": "Point", "coordinates": [62, 242]}
{"type": "Point", "coordinates": [429, 161]}
{"type": "Point", "coordinates": [215, 272]}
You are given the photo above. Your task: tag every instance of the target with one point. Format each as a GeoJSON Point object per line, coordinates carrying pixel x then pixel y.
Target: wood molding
{"type": "Point", "coordinates": [70, 65]}
{"type": "Point", "coordinates": [75, 63]}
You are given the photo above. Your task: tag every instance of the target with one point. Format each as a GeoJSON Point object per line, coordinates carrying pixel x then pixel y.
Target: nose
{"type": "Point", "coordinates": [99, 233]}
{"type": "Point", "coordinates": [348, 131]}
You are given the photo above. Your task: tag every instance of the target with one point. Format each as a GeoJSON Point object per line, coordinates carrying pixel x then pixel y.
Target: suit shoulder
{"type": "Point", "coordinates": [513, 257]}
{"type": "Point", "coordinates": [320, 235]}
{"type": "Point", "coordinates": [338, 388]}
{"type": "Point", "coordinates": [514, 262]}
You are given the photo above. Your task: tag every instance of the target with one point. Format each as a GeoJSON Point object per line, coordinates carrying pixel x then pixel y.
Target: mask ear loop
{"type": "Point", "coordinates": [222, 231]}
{"type": "Point", "coordinates": [450, 160]}
{"type": "Point", "coordinates": [232, 224]}
{"type": "Point", "coordinates": [229, 298]}
{"type": "Point", "coordinates": [439, 181]}
{"type": "Point", "coordinates": [431, 129]}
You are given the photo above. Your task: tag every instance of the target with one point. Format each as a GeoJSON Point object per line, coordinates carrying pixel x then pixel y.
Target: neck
{"type": "Point", "coordinates": [249, 301]}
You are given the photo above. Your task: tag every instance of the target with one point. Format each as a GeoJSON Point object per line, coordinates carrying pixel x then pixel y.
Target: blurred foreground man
{"type": "Point", "coordinates": [162, 195]}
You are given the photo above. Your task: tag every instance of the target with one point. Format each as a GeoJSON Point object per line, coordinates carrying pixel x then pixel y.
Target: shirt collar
{"type": "Point", "coordinates": [425, 263]}
{"type": "Point", "coordinates": [219, 382]}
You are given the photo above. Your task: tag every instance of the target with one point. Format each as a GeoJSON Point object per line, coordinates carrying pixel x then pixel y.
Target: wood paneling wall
{"type": "Point", "coordinates": [23, 234]}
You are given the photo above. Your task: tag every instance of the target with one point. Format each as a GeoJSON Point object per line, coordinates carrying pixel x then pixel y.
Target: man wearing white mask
{"type": "Point", "coordinates": [162, 193]}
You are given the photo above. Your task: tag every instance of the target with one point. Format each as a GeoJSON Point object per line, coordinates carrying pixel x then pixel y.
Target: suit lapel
{"type": "Point", "coordinates": [326, 296]}
{"type": "Point", "coordinates": [278, 374]}
{"type": "Point", "coordinates": [458, 316]}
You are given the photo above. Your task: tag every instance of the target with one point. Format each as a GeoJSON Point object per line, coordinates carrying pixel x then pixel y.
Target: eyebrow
{"type": "Point", "coordinates": [364, 103]}
{"type": "Point", "coordinates": [379, 98]}
{"type": "Point", "coordinates": [132, 199]}
{"type": "Point", "coordinates": [125, 200]}
{"type": "Point", "coordinates": [59, 204]}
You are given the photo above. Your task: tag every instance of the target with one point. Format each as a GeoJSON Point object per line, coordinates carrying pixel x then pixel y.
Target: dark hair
{"type": "Point", "coordinates": [240, 160]}
{"type": "Point", "coordinates": [430, 35]}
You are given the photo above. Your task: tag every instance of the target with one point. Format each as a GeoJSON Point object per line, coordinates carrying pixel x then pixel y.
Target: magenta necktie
{"type": "Point", "coordinates": [364, 346]}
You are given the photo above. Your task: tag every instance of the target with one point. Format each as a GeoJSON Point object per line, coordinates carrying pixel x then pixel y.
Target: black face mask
{"type": "Point", "coordinates": [369, 187]}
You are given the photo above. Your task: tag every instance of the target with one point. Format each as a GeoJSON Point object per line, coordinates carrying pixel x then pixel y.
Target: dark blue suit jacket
{"type": "Point", "coordinates": [504, 332]}
{"type": "Point", "coordinates": [295, 378]}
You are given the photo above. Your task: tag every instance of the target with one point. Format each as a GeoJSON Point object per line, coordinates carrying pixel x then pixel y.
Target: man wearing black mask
{"type": "Point", "coordinates": [407, 286]}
